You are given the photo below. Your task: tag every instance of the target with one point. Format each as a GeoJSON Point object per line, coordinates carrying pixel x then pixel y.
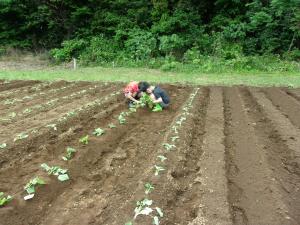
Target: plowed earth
{"type": "Point", "coordinates": [236, 160]}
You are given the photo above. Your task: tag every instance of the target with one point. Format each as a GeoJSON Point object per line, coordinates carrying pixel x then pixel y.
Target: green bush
{"type": "Point", "coordinates": [140, 44]}
{"type": "Point", "coordinates": [70, 49]}
{"type": "Point", "coordinates": [100, 50]}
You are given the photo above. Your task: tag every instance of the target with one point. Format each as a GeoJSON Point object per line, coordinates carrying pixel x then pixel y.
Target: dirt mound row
{"type": "Point", "coordinates": [17, 84]}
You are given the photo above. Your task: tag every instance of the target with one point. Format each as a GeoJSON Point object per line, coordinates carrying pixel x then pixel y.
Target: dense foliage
{"type": "Point", "coordinates": [104, 31]}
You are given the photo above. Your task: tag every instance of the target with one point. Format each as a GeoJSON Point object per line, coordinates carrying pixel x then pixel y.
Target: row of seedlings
{"type": "Point", "coordinates": [37, 87]}
{"type": "Point", "coordinates": [145, 206]}
{"type": "Point", "coordinates": [48, 105]}
{"type": "Point", "coordinates": [63, 118]}
{"type": "Point", "coordinates": [12, 101]}
{"type": "Point", "coordinates": [61, 173]}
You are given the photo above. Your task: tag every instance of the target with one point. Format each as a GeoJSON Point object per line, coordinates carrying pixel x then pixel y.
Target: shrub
{"type": "Point", "coordinates": [140, 44]}
{"type": "Point", "coordinates": [70, 48]}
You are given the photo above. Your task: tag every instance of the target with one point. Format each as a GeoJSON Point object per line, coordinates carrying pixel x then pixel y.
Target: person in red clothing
{"type": "Point", "coordinates": [132, 93]}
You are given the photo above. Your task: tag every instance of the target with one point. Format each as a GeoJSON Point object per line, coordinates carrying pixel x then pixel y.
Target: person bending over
{"type": "Point", "coordinates": [132, 93]}
{"type": "Point", "coordinates": [159, 96]}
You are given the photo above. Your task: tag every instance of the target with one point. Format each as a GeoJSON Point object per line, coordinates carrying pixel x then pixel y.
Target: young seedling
{"type": "Point", "coordinates": [158, 169]}
{"type": "Point", "coordinates": [72, 113]}
{"type": "Point", "coordinates": [156, 218]}
{"type": "Point", "coordinates": [132, 109]}
{"type": "Point", "coordinates": [30, 187]}
{"type": "Point", "coordinates": [111, 125]}
{"type": "Point", "coordinates": [148, 188]}
{"type": "Point", "coordinates": [70, 154]}
{"type": "Point", "coordinates": [174, 138]}
{"type": "Point", "coordinates": [84, 140]}
{"type": "Point", "coordinates": [168, 147]}
{"type": "Point", "coordinates": [21, 136]}
{"type": "Point", "coordinates": [26, 111]}
{"type": "Point", "coordinates": [9, 101]}
{"type": "Point", "coordinates": [162, 158]}
{"type": "Point", "coordinates": [53, 125]}
{"type": "Point", "coordinates": [129, 223]}
{"type": "Point", "coordinates": [4, 200]}
{"type": "Point", "coordinates": [143, 207]}
{"type": "Point", "coordinates": [3, 145]}
{"type": "Point", "coordinates": [57, 171]}
{"type": "Point", "coordinates": [174, 128]}
{"type": "Point", "coordinates": [98, 132]}
{"type": "Point", "coordinates": [12, 115]}
{"type": "Point", "coordinates": [159, 211]}
{"type": "Point", "coordinates": [121, 119]}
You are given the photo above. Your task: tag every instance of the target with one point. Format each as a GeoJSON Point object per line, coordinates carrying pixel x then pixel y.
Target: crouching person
{"type": "Point", "coordinates": [132, 93]}
{"type": "Point", "coordinates": [159, 96]}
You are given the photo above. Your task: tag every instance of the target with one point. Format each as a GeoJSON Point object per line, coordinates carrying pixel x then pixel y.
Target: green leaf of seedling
{"type": "Point", "coordinates": [63, 177]}
{"type": "Point", "coordinates": [84, 140]}
{"type": "Point", "coordinates": [70, 154]}
{"type": "Point", "coordinates": [20, 136]}
{"type": "Point", "coordinates": [148, 188]}
{"type": "Point", "coordinates": [162, 158]}
{"type": "Point", "coordinates": [129, 223]}
{"type": "Point", "coordinates": [168, 147]}
{"type": "Point", "coordinates": [4, 200]}
{"type": "Point", "coordinates": [30, 190]}
{"type": "Point", "coordinates": [3, 145]}
{"type": "Point", "coordinates": [174, 138]}
{"type": "Point", "coordinates": [111, 125]}
{"type": "Point", "coordinates": [159, 211]}
{"type": "Point", "coordinates": [52, 126]}
{"type": "Point", "coordinates": [158, 169]}
{"type": "Point", "coordinates": [155, 220]}
{"type": "Point", "coordinates": [98, 132]}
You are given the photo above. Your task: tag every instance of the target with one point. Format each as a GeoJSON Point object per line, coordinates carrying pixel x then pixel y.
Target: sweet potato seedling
{"type": "Point", "coordinates": [4, 200]}
{"type": "Point", "coordinates": [111, 125]}
{"type": "Point", "coordinates": [148, 188]}
{"type": "Point", "coordinates": [84, 140]}
{"type": "Point", "coordinates": [143, 207]}
{"type": "Point", "coordinates": [70, 154]}
{"type": "Point", "coordinates": [53, 125]}
{"type": "Point", "coordinates": [121, 119]}
{"type": "Point", "coordinates": [3, 145]}
{"type": "Point", "coordinates": [174, 138]}
{"type": "Point", "coordinates": [158, 169]}
{"type": "Point", "coordinates": [162, 158]}
{"type": "Point", "coordinates": [99, 132]}
{"type": "Point", "coordinates": [168, 146]}
{"type": "Point", "coordinates": [30, 187]}
{"type": "Point", "coordinates": [20, 136]}
{"type": "Point", "coordinates": [57, 171]}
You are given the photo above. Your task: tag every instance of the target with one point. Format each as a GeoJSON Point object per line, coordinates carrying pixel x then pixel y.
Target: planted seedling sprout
{"type": "Point", "coordinates": [162, 158]}
{"type": "Point", "coordinates": [20, 136]}
{"type": "Point", "coordinates": [158, 169]}
{"type": "Point", "coordinates": [70, 154]}
{"type": "Point", "coordinates": [98, 132]}
{"type": "Point", "coordinates": [57, 171]}
{"type": "Point", "coordinates": [84, 140]}
{"type": "Point", "coordinates": [4, 200]}
{"type": "Point", "coordinates": [148, 188]}
{"type": "Point", "coordinates": [3, 145]}
{"type": "Point", "coordinates": [174, 138]}
{"type": "Point", "coordinates": [143, 207]}
{"type": "Point", "coordinates": [52, 126]}
{"type": "Point", "coordinates": [30, 187]}
{"type": "Point", "coordinates": [111, 125]}
{"type": "Point", "coordinates": [168, 147]}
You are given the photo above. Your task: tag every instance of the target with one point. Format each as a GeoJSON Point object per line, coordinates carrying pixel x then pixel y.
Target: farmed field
{"type": "Point", "coordinates": [73, 153]}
